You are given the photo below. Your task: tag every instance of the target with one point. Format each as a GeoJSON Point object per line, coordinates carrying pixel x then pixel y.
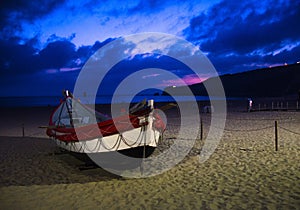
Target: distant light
{"type": "Point", "coordinates": [174, 86]}
{"type": "Point", "coordinates": [298, 62]}
{"type": "Point", "coordinates": [285, 64]}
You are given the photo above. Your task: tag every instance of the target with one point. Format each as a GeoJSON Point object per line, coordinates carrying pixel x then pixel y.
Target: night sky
{"type": "Point", "coordinates": [45, 43]}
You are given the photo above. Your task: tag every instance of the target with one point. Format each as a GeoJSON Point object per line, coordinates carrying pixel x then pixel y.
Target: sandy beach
{"type": "Point", "coordinates": [244, 172]}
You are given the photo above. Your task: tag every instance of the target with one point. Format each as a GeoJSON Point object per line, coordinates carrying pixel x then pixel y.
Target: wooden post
{"type": "Point", "coordinates": [272, 106]}
{"type": "Point", "coordinates": [297, 104]}
{"type": "Point", "coordinates": [258, 107]}
{"type": "Point", "coordinates": [23, 130]}
{"type": "Point", "coordinates": [276, 136]}
{"type": "Point", "coordinates": [144, 153]}
{"type": "Point", "coordinates": [287, 105]}
{"type": "Point", "coordinates": [201, 129]}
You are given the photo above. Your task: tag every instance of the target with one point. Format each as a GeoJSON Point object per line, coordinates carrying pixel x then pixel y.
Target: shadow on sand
{"type": "Point", "coordinates": [26, 161]}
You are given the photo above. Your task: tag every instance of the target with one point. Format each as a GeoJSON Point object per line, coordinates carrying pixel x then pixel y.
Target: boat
{"type": "Point", "coordinates": [87, 133]}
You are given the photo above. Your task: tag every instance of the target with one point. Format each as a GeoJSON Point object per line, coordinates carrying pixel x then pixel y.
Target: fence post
{"type": "Point", "coordinates": [201, 129]}
{"type": "Point", "coordinates": [23, 130]}
{"type": "Point", "coordinates": [297, 104]}
{"type": "Point", "coordinates": [272, 106]}
{"type": "Point", "coordinates": [276, 136]}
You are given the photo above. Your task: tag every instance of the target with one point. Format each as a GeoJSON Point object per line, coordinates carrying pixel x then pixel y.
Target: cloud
{"type": "Point", "coordinates": [233, 63]}
{"type": "Point", "coordinates": [57, 54]}
{"type": "Point", "coordinates": [257, 31]}
{"type": "Point", "coordinates": [29, 9]}
{"type": "Point", "coordinates": [26, 70]}
{"type": "Point", "coordinates": [17, 58]}
{"type": "Point", "coordinates": [245, 30]}
{"type": "Point", "coordinates": [185, 80]}
{"type": "Point", "coordinates": [95, 20]}
{"type": "Point", "coordinates": [57, 37]}
{"type": "Point", "coordinates": [150, 75]}
{"type": "Point", "coordinates": [14, 12]}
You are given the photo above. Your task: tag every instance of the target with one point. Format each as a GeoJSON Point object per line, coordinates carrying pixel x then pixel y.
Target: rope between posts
{"type": "Point", "coordinates": [178, 124]}
{"type": "Point", "coordinates": [294, 121]}
{"type": "Point", "coordinates": [245, 130]}
{"type": "Point", "coordinates": [34, 134]}
{"type": "Point", "coordinates": [252, 119]}
{"type": "Point", "coordinates": [289, 130]}
{"type": "Point", "coordinates": [249, 130]}
{"type": "Point", "coordinates": [242, 119]}
{"type": "Point", "coordinates": [175, 138]}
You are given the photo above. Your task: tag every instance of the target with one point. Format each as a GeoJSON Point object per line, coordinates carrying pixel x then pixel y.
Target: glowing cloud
{"type": "Point", "coordinates": [186, 80]}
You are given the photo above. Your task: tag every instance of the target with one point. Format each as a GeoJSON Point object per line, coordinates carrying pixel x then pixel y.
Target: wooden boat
{"type": "Point", "coordinates": [84, 132]}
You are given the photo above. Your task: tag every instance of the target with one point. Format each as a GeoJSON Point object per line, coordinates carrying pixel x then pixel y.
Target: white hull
{"type": "Point", "coordinates": [143, 136]}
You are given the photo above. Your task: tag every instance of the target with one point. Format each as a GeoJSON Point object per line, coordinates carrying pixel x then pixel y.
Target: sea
{"type": "Point", "coordinates": [38, 101]}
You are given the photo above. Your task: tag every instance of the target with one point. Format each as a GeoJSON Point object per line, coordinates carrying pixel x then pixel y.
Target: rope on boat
{"type": "Point", "coordinates": [105, 147]}
{"type": "Point", "coordinates": [82, 146]}
{"type": "Point", "coordinates": [121, 138]}
{"type": "Point", "coordinates": [134, 143]}
{"type": "Point", "coordinates": [86, 148]}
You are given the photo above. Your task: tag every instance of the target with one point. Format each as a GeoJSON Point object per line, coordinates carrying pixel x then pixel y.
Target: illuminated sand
{"type": "Point", "coordinates": [244, 172]}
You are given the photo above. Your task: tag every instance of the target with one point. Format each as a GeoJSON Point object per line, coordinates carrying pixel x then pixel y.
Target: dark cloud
{"type": "Point", "coordinates": [13, 12]}
{"type": "Point", "coordinates": [57, 54]}
{"type": "Point", "coordinates": [28, 10]}
{"type": "Point", "coordinates": [242, 62]}
{"type": "Point", "coordinates": [19, 57]}
{"type": "Point", "coordinates": [285, 56]}
{"type": "Point", "coordinates": [26, 70]}
{"type": "Point", "coordinates": [246, 31]}
{"type": "Point", "coordinates": [257, 32]}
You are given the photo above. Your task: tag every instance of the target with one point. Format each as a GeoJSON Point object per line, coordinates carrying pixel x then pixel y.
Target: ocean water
{"type": "Point", "coordinates": [33, 101]}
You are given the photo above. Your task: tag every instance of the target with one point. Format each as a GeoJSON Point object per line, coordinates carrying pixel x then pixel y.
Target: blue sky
{"type": "Point", "coordinates": [45, 43]}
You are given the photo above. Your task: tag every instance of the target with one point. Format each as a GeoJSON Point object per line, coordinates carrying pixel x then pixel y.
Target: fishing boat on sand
{"type": "Point", "coordinates": [83, 131]}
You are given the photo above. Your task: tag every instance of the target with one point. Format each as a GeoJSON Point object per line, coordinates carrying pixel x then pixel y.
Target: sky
{"type": "Point", "coordinates": [45, 43]}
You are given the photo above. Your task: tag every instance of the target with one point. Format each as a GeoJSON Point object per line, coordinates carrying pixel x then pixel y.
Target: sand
{"type": "Point", "coordinates": [244, 172]}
